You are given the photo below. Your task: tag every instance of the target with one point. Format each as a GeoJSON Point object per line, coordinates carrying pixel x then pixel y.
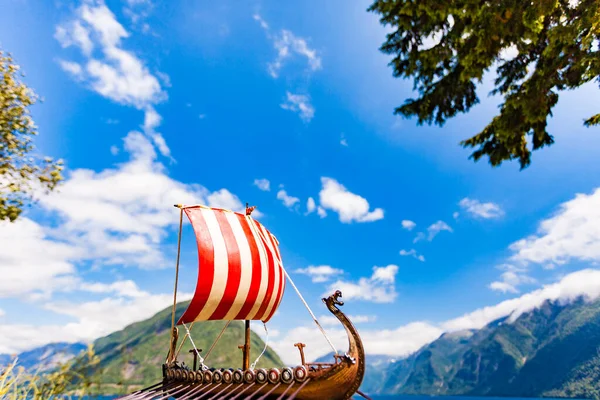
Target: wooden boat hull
{"type": "Point", "coordinates": [338, 380]}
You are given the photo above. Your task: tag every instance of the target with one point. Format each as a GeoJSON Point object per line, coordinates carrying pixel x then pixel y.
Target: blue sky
{"type": "Point", "coordinates": [152, 104]}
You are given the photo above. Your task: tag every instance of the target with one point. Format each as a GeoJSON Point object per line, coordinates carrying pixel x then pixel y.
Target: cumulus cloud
{"type": "Point", "coordinates": [511, 278]}
{"type": "Point", "coordinates": [406, 339]}
{"type": "Point", "coordinates": [584, 283]}
{"type": "Point", "coordinates": [572, 233]}
{"type": "Point", "coordinates": [432, 231]}
{"type": "Point", "coordinates": [112, 72]}
{"type": "Point", "coordinates": [401, 341]}
{"type": "Point", "coordinates": [478, 209]}
{"type": "Point", "coordinates": [118, 216]}
{"type": "Point", "coordinates": [311, 206]}
{"type": "Point", "coordinates": [330, 320]}
{"type": "Point", "coordinates": [413, 253]}
{"type": "Point", "coordinates": [349, 206]}
{"type": "Point", "coordinates": [300, 104]}
{"type": "Point", "coordinates": [29, 261]}
{"type": "Point", "coordinates": [118, 75]}
{"type": "Point", "coordinates": [408, 225]}
{"type": "Point", "coordinates": [321, 212]}
{"type": "Point", "coordinates": [378, 288]}
{"type": "Point", "coordinates": [72, 68]}
{"type": "Point", "coordinates": [287, 45]}
{"type": "Point", "coordinates": [263, 184]}
{"type": "Point", "coordinates": [320, 273]}
{"type": "Point", "coordinates": [286, 199]}
{"type": "Point", "coordinates": [90, 319]}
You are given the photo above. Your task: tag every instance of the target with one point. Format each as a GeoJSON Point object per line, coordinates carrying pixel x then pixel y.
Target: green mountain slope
{"type": "Point", "coordinates": [551, 351]}
{"type": "Point", "coordinates": [132, 358]}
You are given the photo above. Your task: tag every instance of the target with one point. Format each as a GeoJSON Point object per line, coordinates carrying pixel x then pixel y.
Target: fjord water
{"type": "Point", "coordinates": [416, 397]}
{"type": "Point", "coordinates": [395, 397]}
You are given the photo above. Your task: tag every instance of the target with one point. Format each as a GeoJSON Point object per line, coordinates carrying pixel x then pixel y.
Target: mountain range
{"type": "Point", "coordinates": [552, 351]}
{"type": "Point", "coordinates": [131, 358]}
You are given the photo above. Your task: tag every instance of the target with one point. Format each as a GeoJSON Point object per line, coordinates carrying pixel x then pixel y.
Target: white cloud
{"type": "Point", "coordinates": [287, 44]}
{"type": "Point", "coordinates": [117, 216]}
{"type": "Point", "coordinates": [379, 288]}
{"type": "Point", "coordinates": [75, 34]}
{"type": "Point", "coordinates": [432, 231]}
{"type": "Point", "coordinates": [436, 228]}
{"type": "Point", "coordinates": [29, 261]}
{"type": "Point", "coordinates": [400, 342]}
{"type": "Point", "coordinates": [263, 184]}
{"type": "Point", "coordinates": [151, 121]}
{"type": "Point", "coordinates": [223, 198]}
{"type": "Point", "coordinates": [572, 233]}
{"type": "Point", "coordinates": [2, 313]}
{"type": "Point", "coordinates": [406, 339]}
{"type": "Point", "coordinates": [481, 210]}
{"type": "Point", "coordinates": [513, 277]}
{"type": "Point", "coordinates": [584, 283]}
{"type": "Point", "coordinates": [413, 253]}
{"type": "Point", "coordinates": [138, 11]}
{"type": "Point", "coordinates": [261, 21]}
{"type": "Point", "coordinates": [321, 212]}
{"type": "Point", "coordinates": [350, 207]}
{"type": "Point", "coordinates": [286, 199]}
{"type": "Point", "coordinates": [330, 320]}
{"type": "Point", "coordinates": [91, 319]}
{"type": "Point", "coordinates": [343, 141]}
{"type": "Point", "coordinates": [115, 73]}
{"type": "Point", "coordinates": [408, 225]}
{"type": "Point", "coordinates": [319, 273]}
{"type": "Point", "coordinates": [310, 205]}
{"type": "Point", "coordinates": [300, 104]}
{"type": "Point", "coordinates": [126, 288]}
{"type": "Point", "coordinates": [72, 68]}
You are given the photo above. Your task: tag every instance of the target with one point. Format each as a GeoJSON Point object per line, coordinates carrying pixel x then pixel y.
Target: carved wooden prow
{"type": "Point", "coordinates": [356, 352]}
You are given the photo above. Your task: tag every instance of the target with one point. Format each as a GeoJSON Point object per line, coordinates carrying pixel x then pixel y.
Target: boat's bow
{"type": "Point", "coordinates": [347, 373]}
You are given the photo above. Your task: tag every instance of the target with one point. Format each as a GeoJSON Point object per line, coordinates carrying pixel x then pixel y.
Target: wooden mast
{"type": "Point", "coordinates": [246, 358]}
{"type": "Point", "coordinates": [246, 348]}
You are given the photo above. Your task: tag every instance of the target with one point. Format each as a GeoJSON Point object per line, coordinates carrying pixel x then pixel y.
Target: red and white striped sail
{"type": "Point", "coordinates": [240, 273]}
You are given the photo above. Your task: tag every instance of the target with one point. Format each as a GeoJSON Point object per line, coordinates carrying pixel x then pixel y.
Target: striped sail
{"type": "Point", "coordinates": [240, 273]}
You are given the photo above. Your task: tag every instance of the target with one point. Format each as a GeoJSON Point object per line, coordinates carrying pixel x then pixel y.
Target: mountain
{"type": "Point", "coordinates": [46, 357]}
{"type": "Point", "coordinates": [553, 350]}
{"type": "Point", "coordinates": [131, 358]}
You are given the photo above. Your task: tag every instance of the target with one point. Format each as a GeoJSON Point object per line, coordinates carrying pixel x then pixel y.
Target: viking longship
{"type": "Point", "coordinates": [241, 277]}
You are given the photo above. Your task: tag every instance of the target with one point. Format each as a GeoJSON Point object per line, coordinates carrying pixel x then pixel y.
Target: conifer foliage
{"type": "Point", "coordinates": [537, 48]}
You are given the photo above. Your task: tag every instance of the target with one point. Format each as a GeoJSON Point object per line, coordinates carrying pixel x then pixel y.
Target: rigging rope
{"type": "Point", "coordinates": [202, 366]}
{"type": "Point", "coordinates": [216, 340]}
{"type": "Point", "coordinates": [183, 341]}
{"type": "Point", "coordinates": [309, 310]}
{"type": "Point", "coordinates": [176, 273]}
{"type": "Point", "coordinates": [299, 294]}
{"type": "Point", "coordinates": [265, 349]}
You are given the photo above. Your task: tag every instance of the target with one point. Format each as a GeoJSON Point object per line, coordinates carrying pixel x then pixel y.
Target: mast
{"type": "Point", "coordinates": [246, 349]}
{"type": "Point", "coordinates": [174, 332]}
